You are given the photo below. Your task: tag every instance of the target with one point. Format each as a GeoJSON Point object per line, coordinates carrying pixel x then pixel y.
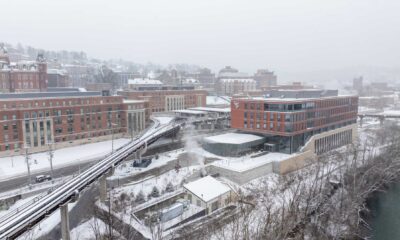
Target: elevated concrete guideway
{"type": "Point", "coordinates": [22, 221]}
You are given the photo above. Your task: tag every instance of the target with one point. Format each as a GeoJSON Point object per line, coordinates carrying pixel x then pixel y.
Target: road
{"type": "Point", "coordinates": [19, 182]}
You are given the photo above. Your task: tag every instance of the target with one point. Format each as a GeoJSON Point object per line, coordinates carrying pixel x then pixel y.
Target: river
{"type": "Point", "coordinates": [385, 220]}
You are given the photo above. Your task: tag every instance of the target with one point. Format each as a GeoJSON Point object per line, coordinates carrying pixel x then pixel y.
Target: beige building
{"type": "Point", "coordinates": [209, 193]}
{"type": "Point", "coordinates": [136, 116]}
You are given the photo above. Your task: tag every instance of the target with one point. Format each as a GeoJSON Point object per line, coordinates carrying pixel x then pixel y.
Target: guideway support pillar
{"type": "Point", "coordinates": [103, 185]}
{"type": "Point", "coordinates": [65, 234]}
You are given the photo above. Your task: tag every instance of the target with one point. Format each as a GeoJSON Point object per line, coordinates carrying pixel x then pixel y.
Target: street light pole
{"type": "Point", "coordinates": [28, 165]}
{"type": "Point", "coordinates": [112, 139]}
{"type": "Point", "coordinates": [51, 155]}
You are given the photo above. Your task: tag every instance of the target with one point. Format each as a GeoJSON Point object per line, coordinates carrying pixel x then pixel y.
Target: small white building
{"type": "Point", "coordinates": [209, 193]}
{"type": "Point", "coordinates": [144, 83]}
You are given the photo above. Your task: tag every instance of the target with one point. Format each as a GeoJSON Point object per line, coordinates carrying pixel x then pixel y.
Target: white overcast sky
{"type": "Point", "coordinates": [285, 35]}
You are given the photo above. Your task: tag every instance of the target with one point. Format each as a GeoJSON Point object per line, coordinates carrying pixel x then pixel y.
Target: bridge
{"type": "Point", "coordinates": [379, 115]}
{"type": "Point", "coordinates": [24, 219]}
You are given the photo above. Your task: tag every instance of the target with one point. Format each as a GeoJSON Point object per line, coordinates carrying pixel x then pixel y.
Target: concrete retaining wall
{"type": "Point", "coordinates": [298, 161]}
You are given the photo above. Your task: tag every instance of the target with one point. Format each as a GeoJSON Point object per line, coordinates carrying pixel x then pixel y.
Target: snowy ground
{"type": "Point", "coordinates": [126, 169]}
{"type": "Point", "coordinates": [241, 163]}
{"type": "Point", "coordinates": [90, 229]}
{"type": "Point", "coordinates": [46, 225]}
{"type": "Point", "coordinates": [146, 186]}
{"type": "Point", "coordinates": [11, 167]}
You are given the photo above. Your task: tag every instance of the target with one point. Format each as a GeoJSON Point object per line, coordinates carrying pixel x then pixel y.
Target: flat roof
{"type": "Point", "coordinates": [194, 112]}
{"type": "Point", "coordinates": [210, 109]}
{"type": "Point", "coordinates": [277, 99]}
{"type": "Point", "coordinates": [207, 188]}
{"type": "Point", "coordinates": [233, 138]}
{"type": "Point", "coordinates": [133, 101]}
{"type": "Point", "coordinates": [6, 96]}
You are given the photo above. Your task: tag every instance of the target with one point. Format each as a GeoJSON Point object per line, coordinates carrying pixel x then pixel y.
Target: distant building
{"type": "Point", "coordinates": [358, 84]}
{"type": "Point", "coordinates": [293, 86]}
{"type": "Point", "coordinates": [79, 74]}
{"type": "Point", "coordinates": [265, 78]}
{"type": "Point", "coordinates": [123, 77]}
{"type": "Point", "coordinates": [231, 73]}
{"type": "Point", "coordinates": [22, 76]}
{"type": "Point", "coordinates": [144, 83]}
{"type": "Point", "coordinates": [169, 99]}
{"type": "Point", "coordinates": [289, 118]}
{"type": "Point", "coordinates": [205, 78]}
{"type": "Point", "coordinates": [230, 81]}
{"type": "Point", "coordinates": [58, 78]}
{"type": "Point", "coordinates": [98, 87]}
{"type": "Point", "coordinates": [232, 86]}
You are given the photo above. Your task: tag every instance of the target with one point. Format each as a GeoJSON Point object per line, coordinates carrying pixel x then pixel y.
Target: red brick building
{"type": "Point", "coordinates": [290, 118]}
{"type": "Point", "coordinates": [168, 100]}
{"type": "Point", "coordinates": [23, 76]}
{"type": "Point", "coordinates": [35, 120]}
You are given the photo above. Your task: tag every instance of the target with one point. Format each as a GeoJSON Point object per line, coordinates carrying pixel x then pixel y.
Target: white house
{"type": "Point", "coordinates": [209, 193]}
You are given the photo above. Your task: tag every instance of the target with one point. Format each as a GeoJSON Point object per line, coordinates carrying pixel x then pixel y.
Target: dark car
{"type": "Point", "coordinates": [42, 178]}
{"type": "Point", "coordinates": [145, 162]}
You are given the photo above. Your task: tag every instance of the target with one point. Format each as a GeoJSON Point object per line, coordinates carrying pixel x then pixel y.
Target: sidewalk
{"type": "Point", "coordinates": [13, 167]}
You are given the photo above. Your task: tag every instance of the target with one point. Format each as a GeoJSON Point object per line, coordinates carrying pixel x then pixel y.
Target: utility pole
{"type": "Point", "coordinates": [27, 157]}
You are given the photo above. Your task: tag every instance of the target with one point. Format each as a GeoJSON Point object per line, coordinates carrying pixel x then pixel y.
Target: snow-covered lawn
{"type": "Point", "coordinates": [146, 186]}
{"type": "Point", "coordinates": [11, 167]}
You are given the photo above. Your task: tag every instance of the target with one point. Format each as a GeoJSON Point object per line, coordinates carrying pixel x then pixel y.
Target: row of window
{"type": "Point", "coordinates": [342, 103]}
{"type": "Point", "coordinates": [49, 103]}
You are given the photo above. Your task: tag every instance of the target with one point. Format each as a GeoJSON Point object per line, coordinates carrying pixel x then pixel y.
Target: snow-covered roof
{"type": "Point", "coordinates": [233, 75]}
{"type": "Point", "coordinates": [132, 101]}
{"type": "Point", "coordinates": [193, 112]}
{"type": "Point", "coordinates": [247, 80]}
{"type": "Point", "coordinates": [144, 81]}
{"type": "Point", "coordinates": [207, 188]}
{"type": "Point", "coordinates": [233, 138]}
{"type": "Point", "coordinates": [240, 164]}
{"type": "Point", "coordinates": [211, 109]}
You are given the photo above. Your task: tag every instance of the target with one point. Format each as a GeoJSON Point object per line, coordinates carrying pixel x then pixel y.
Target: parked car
{"type": "Point", "coordinates": [142, 164]}
{"type": "Point", "coordinates": [42, 178]}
